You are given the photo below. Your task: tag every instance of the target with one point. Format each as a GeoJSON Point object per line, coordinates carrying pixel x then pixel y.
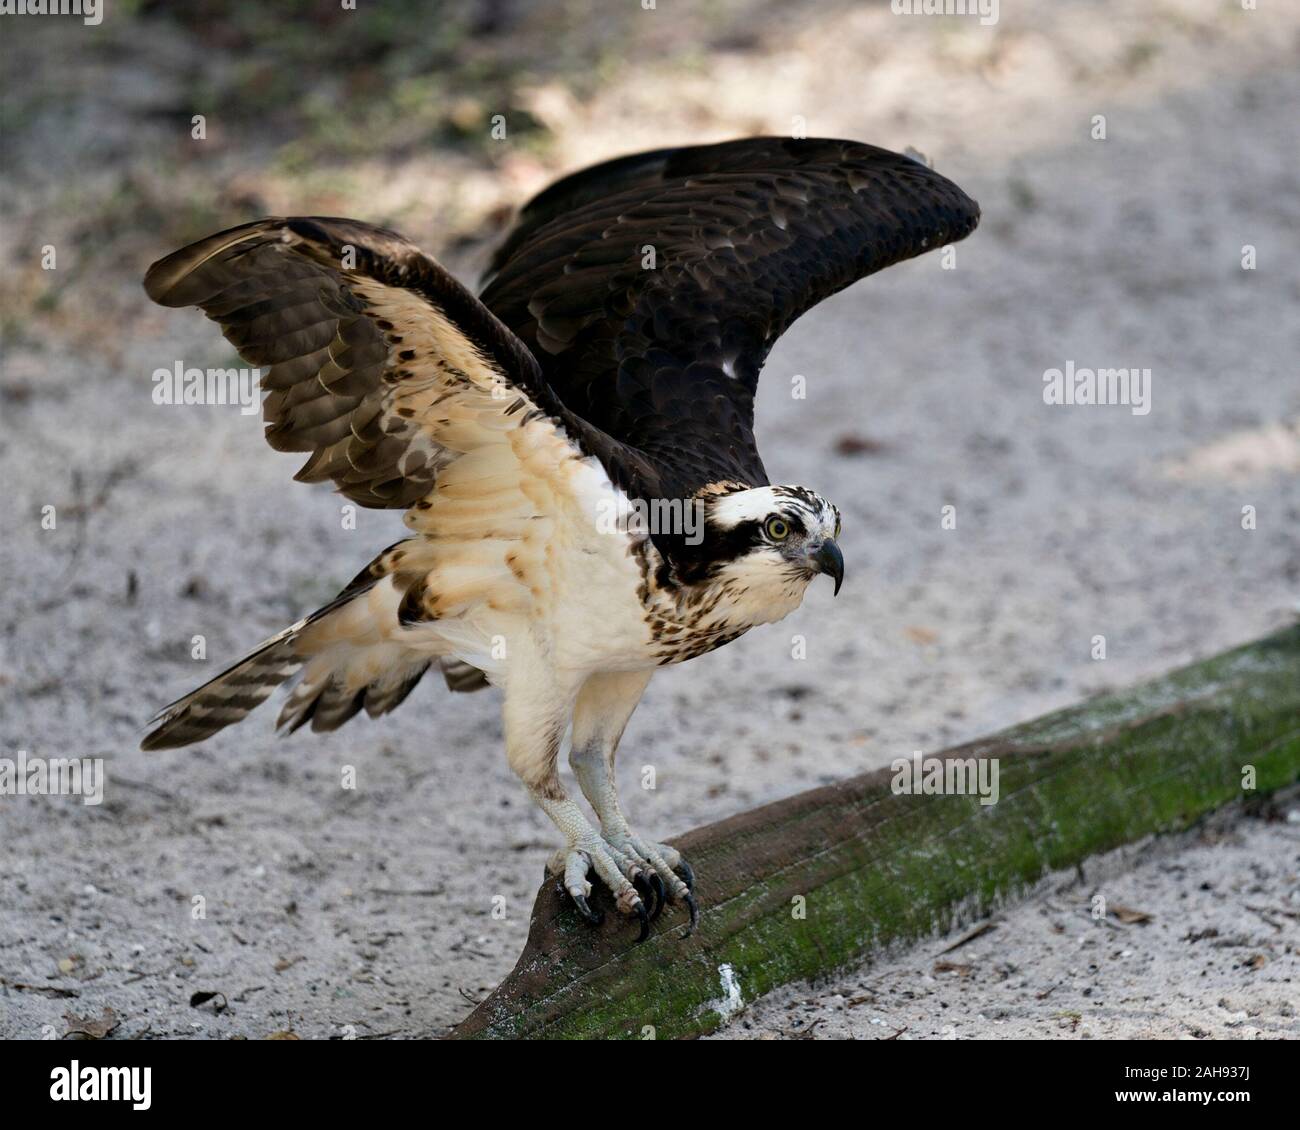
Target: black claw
{"type": "Point", "coordinates": [642, 885]}
{"type": "Point", "coordinates": [695, 914]}
{"type": "Point", "coordinates": [642, 914]}
{"type": "Point", "coordinates": [595, 917]}
{"type": "Point", "coordinates": [687, 874]}
{"type": "Point", "coordinates": [661, 894]}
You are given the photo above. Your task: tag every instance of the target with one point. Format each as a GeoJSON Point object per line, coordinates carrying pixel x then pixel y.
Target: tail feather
{"type": "Point", "coordinates": [382, 697]}
{"type": "Point", "coordinates": [348, 655]}
{"type": "Point", "coordinates": [328, 695]}
{"type": "Point", "coordinates": [462, 676]}
{"type": "Point", "coordinates": [326, 708]}
{"type": "Point", "coordinates": [229, 697]}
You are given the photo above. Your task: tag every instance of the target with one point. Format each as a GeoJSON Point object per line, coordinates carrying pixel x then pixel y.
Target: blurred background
{"type": "Point", "coordinates": [386, 110]}
{"type": "Point", "coordinates": [372, 907]}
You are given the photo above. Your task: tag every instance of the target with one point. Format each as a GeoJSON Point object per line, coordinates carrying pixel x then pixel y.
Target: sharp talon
{"type": "Point", "coordinates": [641, 913]}
{"type": "Point", "coordinates": [595, 917]}
{"type": "Point", "coordinates": [644, 889]}
{"type": "Point", "coordinates": [661, 894]}
{"type": "Point", "coordinates": [695, 914]}
{"type": "Point", "coordinates": [688, 875]}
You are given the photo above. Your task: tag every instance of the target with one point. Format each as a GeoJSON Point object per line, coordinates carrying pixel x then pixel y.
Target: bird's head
{"type": "Point", "coordinates": [764, 545]}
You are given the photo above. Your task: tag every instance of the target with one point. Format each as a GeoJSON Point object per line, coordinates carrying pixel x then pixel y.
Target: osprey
{"type": "Point", "coordinates": [606, 372]}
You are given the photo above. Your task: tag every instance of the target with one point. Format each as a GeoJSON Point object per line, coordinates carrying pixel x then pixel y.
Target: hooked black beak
{"type": "Point", "coordinates": [829, 560]}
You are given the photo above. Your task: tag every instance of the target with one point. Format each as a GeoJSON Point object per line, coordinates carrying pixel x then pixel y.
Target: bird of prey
{"type": "Point", "coordinates": [606, 372]}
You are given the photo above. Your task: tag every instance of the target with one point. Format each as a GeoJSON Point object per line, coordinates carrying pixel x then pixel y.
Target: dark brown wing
{"type": "Point", "coordinates": [377, 361]}
{"type": "Point", "coordinates": [568, 194]}
{"type": "Point", "coordinates": [745, 237]}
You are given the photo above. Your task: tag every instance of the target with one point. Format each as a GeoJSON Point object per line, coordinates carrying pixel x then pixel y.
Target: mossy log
{"type": "Point", "coordinates": [824, 879]}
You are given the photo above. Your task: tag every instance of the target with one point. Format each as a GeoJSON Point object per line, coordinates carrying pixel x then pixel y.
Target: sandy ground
{"type": "Point", "coordinates": [370, 911]}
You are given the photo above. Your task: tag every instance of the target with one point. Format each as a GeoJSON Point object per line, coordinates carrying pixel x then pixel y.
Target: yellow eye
{"type": "Point", "coordinates": [837, 526]}
{"type": "Point", "coordinates": [778, 529]}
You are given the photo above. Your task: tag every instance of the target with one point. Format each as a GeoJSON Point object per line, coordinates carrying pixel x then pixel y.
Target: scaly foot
{"type": "Point", "coordinates": [625, 881]}
{"type": "Point", "coordinates": [641, 875]}
{"type": "Point", "coordinates": [669, 871]}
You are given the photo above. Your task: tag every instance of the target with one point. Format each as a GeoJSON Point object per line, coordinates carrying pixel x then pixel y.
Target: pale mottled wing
{"type": "Point", "coordinates": [663, 355]}
{"type": "Point", "coordinates": [376, 360]}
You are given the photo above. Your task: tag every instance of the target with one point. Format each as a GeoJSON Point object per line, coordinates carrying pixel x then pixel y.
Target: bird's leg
{"type": "Point", "coordinates": [535, 716]}
{"type": "Point", "coordinates": [600, 715]}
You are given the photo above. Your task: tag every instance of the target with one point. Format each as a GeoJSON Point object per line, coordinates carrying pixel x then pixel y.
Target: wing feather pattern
{"type": "Point", "coordinates": [375, 360]}
{"type": "Point", "coordinates": [664, 355]}
{"type": "Point", "coordinates": [634, 305]}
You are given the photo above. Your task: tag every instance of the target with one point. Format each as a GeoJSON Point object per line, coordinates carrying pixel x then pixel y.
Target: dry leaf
{"type": "Point", "coordinates": [89, 1027]}
{"type": "Point", "coordinates": [1128, 915]}
{"type": "Point", "coordinates": [918, 634]}
{"type": "Point", "coordinates": [284, 1036]}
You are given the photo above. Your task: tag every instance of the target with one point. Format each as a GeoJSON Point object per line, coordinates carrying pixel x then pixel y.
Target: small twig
{"type": "Point", "coordinates": [1259, 913]}
{"type": "Point", "coordinates": [431, 892]}
{"type": "Point", "coordinates": [44, 990]}
{"type": "Point", "coordinates": [144, 786]}
{"type": "Point", "coordinates": [80, 512]}
{"type": "Point", "coordinates": [982, 928]}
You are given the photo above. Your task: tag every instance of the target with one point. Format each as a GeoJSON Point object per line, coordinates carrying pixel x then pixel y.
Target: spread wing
{"type": "Point", "coordinates": [650, 289]}
{"type": "Point", "coordinates": [377, 361]}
